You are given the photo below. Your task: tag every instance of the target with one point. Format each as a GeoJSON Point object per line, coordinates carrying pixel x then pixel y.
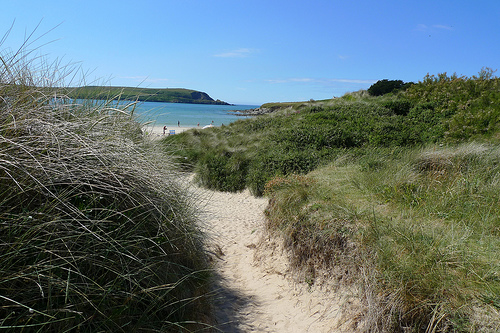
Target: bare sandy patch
{"type": "Point", "coordinates": [255, 290]}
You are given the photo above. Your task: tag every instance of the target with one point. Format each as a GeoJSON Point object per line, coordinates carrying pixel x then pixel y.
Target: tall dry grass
{"type": "Point", "coordinates": [95, 233]}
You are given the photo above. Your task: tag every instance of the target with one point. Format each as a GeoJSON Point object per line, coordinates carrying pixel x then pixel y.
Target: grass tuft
{"type": "Point", "coordinates": [95, 233]}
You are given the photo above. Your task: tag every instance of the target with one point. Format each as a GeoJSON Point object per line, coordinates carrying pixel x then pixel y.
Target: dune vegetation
{"type": "Point", "coordinates": [392, 192]}
{"type": "Point", "coordinates": [396, 195]}
{"type": "Point", "coordinates": [96, 234]}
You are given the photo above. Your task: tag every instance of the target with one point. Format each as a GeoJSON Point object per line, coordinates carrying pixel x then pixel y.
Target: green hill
{"type": "Point", "coordinates": [169, 95]}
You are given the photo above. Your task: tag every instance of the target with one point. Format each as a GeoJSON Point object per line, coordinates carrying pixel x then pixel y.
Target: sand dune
{"type": "Point", "coordinates": [258, 295]}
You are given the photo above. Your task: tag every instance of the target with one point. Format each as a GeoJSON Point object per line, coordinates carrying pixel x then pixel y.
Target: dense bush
{"type": "Point", "coordinates": [400, 107]}
{"type": "Point", "coordinates": [386, 86]}
{"type": "Point", "coordinates": [469, 107]}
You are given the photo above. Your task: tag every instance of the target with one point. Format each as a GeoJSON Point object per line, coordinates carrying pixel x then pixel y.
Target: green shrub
{"type": "Point", "coordinates": [400, 107]}
{"type": "Point", "coordinates": [469, 107]}
{"type": "Point", "coordinates": [223, 171]}
{"type": "Point", "coordinates": [258, 175]}
{"type": "Point", "coordinates": [297, 142]}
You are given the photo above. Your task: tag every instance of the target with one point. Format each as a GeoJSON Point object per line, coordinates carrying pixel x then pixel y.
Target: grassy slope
{"type": "Point", "coordinates": [422, 221]}
{"type": "Point", "coordinates": [171, 95]}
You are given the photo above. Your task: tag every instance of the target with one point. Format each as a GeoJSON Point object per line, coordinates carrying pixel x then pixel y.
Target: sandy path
{"type": "Point", "coordinates": [257, 296]}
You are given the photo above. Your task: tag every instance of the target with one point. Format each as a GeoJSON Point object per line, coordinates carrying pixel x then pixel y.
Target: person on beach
{"type": "Point", "coordinates": [198, 124]}
{"type": "Point", "coordinates": [178, 123]}
{"type": "Point", "coordinates": [164, 129]}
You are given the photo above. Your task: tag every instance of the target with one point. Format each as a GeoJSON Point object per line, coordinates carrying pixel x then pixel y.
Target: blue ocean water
{"type": "Point", "coordinates": [188, 115]}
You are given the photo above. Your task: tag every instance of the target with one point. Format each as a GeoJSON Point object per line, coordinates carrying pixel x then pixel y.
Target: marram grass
{"type": "Point", "coordinates": [95, 234]}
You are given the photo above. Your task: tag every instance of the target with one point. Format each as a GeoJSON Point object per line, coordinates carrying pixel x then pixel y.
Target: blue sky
{"type": "Point", "coordinates": [257, 51]}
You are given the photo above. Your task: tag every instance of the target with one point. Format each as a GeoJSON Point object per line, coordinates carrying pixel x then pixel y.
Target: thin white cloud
{"type": "Point", "coordinates": [277, 81]}
{"type": "Point", "coordinates": [426, 28]}
{"type": "Point", "coordinates": [421, 27]}
{"type": "Point", "coordinates": [442, 27]}
{"type": "Point", "coordinates": [238, 53]}
{"type": "Point", "coordinates": [353, 81]}
{"type": "Point", "coordinates": [302, 79]}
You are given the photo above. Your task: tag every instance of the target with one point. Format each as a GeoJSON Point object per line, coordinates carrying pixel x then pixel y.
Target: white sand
{"type": "Point", "coordinates": [157, 131]}
{"type": "Point", "coordinates": [258, 295]}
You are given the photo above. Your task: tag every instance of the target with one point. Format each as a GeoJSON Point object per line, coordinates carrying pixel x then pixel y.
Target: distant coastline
{"type": "Point", "coordinates": [188, 114]}
{"type": "Point", "coordinates": [167, 95]}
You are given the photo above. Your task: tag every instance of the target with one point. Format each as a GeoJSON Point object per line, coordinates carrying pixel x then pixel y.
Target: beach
{"type": "Point", "coordinates": [157, 131]}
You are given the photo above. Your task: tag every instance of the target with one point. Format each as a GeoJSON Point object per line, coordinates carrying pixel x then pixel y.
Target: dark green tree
{"type": "Point", "coordinates": [386, 86]}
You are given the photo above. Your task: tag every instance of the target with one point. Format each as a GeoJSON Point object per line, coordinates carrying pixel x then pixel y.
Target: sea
{"type": "Point", "coordinates": [188, 115]}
